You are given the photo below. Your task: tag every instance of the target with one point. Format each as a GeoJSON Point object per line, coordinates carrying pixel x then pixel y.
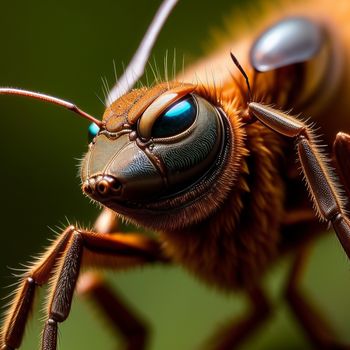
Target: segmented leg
{"type": "Point", "coordinates": [111, 306]}
{"type": "Point", "coordinates": [341, 151]}
{"type": "Point", "coordinates": [317, 329]}
{"type": "Point", "coordinates": [113, 251]}
{"type": "Point", "coordinates": [320, 181]}
{"type": "Point", "coordinates": [236, 332]}
{"type": "Point", "coordinates": [106, 222]}
{"type": "Point", "coordinates": [13, 328]}
{"type": "Point", "coordinates": [115, 310]}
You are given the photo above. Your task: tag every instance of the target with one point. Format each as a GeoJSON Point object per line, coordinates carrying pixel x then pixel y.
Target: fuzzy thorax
{"type": "Point", "coordinates": [231, 247]}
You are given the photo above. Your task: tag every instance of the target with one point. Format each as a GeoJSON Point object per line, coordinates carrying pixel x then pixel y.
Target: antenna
{"type": "Point", "coordinates": [238, 65]}
{"type": "Point", "coordinates": [57, 101]}
{"type": "Point", "coordinates": [136, 67]}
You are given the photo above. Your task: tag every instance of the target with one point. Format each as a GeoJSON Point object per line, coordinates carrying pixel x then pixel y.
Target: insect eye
{"type": "Point", "coordinates": [176, 119]}
{"type": "Point", "coordinates": [92, 131]}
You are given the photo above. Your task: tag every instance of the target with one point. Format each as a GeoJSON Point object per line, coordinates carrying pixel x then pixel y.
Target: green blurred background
{"type": "Point", "coordinates": [63, 48]}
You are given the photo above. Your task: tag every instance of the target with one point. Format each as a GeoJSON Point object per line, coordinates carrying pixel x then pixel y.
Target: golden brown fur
{"type": "Point", "coordinates": [233, 231]}
{"type": "Point", "coordinates": [232, 247]}
{"type": "Point", "coordinates": [243, 27]}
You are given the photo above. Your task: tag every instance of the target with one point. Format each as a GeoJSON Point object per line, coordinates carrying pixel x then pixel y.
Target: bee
{"type": "Point", "coordinates": [206, 161]}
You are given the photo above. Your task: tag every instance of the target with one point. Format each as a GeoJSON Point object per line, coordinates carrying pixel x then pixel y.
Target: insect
{"type": "Point", "coordinates": [146, 139]}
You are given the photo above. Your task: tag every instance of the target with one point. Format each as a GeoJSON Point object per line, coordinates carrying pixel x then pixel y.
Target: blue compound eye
{"type": "Point", "coordinates": [176, 119]}
{"type": "Point", "coordinates": [92, 131]}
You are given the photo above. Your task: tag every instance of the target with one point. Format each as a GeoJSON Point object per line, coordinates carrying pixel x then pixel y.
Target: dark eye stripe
{"type": "Point", "coordinates": [176, 119]}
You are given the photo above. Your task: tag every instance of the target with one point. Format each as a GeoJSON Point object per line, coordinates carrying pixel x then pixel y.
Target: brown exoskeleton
{"type": "Point", "coordinates": [208, 166]}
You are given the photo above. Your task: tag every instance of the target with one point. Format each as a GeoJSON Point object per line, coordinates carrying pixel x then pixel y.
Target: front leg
{"type": "Point", "coordinates": [124, 320]}
{"type": "Point", "coordinates": [238, 331]}
{"type": "Point", "coordinates": [62, 263]}
{"type": "Point", "coordinates": [321, 182]}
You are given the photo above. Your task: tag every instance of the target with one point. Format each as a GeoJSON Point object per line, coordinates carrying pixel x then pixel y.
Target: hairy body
{"type": "Point", "coordinates": [220, 188]}
{"type": "Point", "coordinates": [268, 200]}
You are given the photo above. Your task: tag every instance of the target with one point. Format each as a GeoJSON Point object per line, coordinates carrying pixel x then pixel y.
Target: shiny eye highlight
{"type": "Point", "coordinates": [92, 131]}
{"type": "Point", "coordinates": [176, 119]}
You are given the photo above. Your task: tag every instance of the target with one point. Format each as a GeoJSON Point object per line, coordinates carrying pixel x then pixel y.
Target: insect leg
{"type": "Point", "coordinates": [132, 250]}
{"type": "Point", "coordinates": [106, 222]}
{"type": "Point", "coordinates": [314, 324]}
{"type": "Point", "coordinates": [13, 327]}
{"type": "Point", "coordinates": [100, 250]}
{"type": "Point", "coordinates": [63, 291]}
{"type": "Point", "coordinates": [341, 152]}
{"type": "Point", "coordinates": [115, 310]}
{"type": "Point", "coordinates": [321, 183]}
{"type": "Point", "coordinates": [237, 331]}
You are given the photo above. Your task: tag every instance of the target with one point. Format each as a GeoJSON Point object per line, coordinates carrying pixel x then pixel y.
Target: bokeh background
{"type": "Point", "coordinates": [63, 48]}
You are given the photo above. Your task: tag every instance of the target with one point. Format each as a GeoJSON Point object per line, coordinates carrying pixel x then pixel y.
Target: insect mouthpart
{"type": "Point", "coordinates": [101, 187]}
{"type": "Point", "coordinates": [168, 158]}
